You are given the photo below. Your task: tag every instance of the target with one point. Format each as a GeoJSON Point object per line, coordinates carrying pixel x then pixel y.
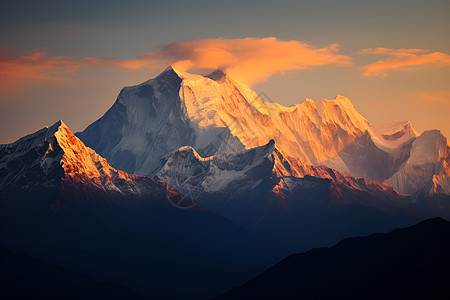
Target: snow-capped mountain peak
{"type": "Point", "coordinates": [307, 130]}
{"type": "Point", "coordinates": [218, 76]}
{"type": "Point", "coordinates": [54, 158]}
{"type": "Point", "coordinates": [230, 174]}
{"type": "Point", "coordinates": [427, 168]}
{"type": "Point", "coordinates": [33, 160]}
{"type": "Point", "coordinates": [390, 135]}
{"type": "Point", "coordinates": [215, 114]}
{"type": "Point", "coordinates": [218, 116]}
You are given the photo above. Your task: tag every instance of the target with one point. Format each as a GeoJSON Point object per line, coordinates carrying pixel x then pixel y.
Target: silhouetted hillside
{"type": "Point", "coordinates": [409, 263]}
{"type": "Point", "coordinates": [25, 277]}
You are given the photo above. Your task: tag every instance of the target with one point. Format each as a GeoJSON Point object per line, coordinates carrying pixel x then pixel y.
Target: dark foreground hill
{"type": "Point", "coordinates": [25, 277]}
{"type": "Point", "coordinates": [408, 263]}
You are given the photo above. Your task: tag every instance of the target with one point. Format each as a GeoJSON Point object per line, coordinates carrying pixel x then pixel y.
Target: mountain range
{"type": "Point", "coordinates": [190, 185]}
{"type": "Point", "coordinates": [216, 115]}
{"type": "Point", "coordinates": [213, 139]}
{"type": "Point", "coordinates": [64, 204]}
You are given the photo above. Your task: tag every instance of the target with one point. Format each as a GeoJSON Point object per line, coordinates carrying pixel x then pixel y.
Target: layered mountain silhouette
{"type": "Point", "coordinates": [408, 263]}
{"type": "Point", "coordinates": [62, 203]}
{"type": "Point", "coordinates": [190, 185]}
{"type": "Point", "coordinates": [295, 205]}
{"type": "Point", "coordinates": [260, 164]}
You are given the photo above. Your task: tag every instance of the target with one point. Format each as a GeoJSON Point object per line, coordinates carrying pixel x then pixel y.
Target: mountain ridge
{"type": "Point", "coordinates": [78, 212]}
{"type": "Point", "coordinates": [236, 182]}
{"type": "Point", "coordinates": [266, 192]}
{"type": "Point", "coordinates": [216, 115]}
{"type": "Point", "coordinates": [53, 158]}
{"type": "Point", "coordinates": [407, 263]}
{"type": "Point", "coordinates": [213, 109]}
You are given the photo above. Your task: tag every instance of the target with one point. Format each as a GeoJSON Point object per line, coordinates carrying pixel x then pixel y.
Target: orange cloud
{"type": "Point", "coordinates": [402, 59]}
{"type": "Point", "coordinates": [41, 69]}
{"type": "Point", "coordinates": [35, 69]}
{"type": "Point", "coordinates": [249, 60]}
{"type": "Point", "coordinates": [440, 97]}
{"type": "Point", "coordinates": [253, 60]}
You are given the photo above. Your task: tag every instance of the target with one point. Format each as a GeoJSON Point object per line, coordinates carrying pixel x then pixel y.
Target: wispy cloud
{"type": "Point", "coordinates": [19, 70]}
{"type": "Point", "coordinates": [253, 60]}
{"type": "Point", "coordinates": [438, 97]}
{"type": "Point", "coordinates": [37, 68]}
{"type": "Point", "coordinates": [249, 60]}
{"type": "Point", "coordinates": [402, 59]}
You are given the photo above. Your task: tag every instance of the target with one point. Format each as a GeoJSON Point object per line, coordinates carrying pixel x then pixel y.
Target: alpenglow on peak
{"type": "Point", "coordinates": [216, 115]}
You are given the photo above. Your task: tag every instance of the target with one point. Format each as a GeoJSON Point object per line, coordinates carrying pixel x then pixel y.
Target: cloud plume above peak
{"type": "Point", "coordinates": [252, 60]}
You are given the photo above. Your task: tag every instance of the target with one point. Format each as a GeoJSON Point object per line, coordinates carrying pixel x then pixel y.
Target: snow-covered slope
{"type": "Point", "coordinates": [218, 116]}
{"type": "Point", "coordinates": [278, 197]}
{"type": "Point", "coordinates": [221, 175]}
{"type": "Point", "coordinates": [149, 121]}
{"type": "Point", "coordinates": [253, 170]}
{"type": "Point", "coordinates": [215, 115]}
{"type": "Point", "coordinates": [364, 158]}
{"type": "Point", "coordinates": [391, 135]}
{"type": "Point", "coordinates": [63, 203]}
{"type": "Point", "coordinates": [31, 161]}
{"type": "Point", "coordinates": [310, 131]}
{"type": "Point", "coordinates": [427, 168]}
{"type": "Point", "coordinates": [54, 159]}
{"type": "Point", "coordinates": [393, 153]}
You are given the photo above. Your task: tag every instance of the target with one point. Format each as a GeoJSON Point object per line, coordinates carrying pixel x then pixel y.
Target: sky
{"type": "Point", "coordinates": [69, 59]}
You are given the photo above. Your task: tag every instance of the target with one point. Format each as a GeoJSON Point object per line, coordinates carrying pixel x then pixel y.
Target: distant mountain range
{"type": "Point", "coordinates": [190, 185]}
